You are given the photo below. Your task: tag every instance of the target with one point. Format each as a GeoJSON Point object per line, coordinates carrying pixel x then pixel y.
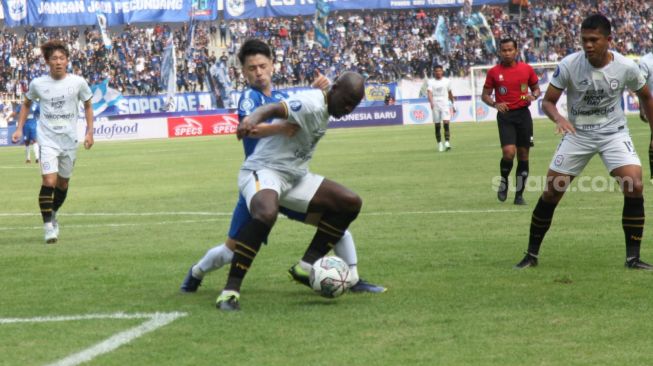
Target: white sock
{"type": "Point", "coordinates": [214, 258]}
{"type": "Point", "coordinates": [27, 156]}
{"type": "Point", "coordinates": [346, 249]}
{"type": "Point", "coordinates": [353, 275]}
{"type": "Point", "coordinates": [37, 149]}
{"type": "Point", "coordinates": [305, 266]}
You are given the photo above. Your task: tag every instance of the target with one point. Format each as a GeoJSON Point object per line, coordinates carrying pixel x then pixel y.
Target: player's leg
{"type": "Point", "coordinates": [220, 255]}
{"type": "Point", "coordinates": [650, 158]}
{"type": "Point", "coordinates": [508, 140]}
{"type": "Point", "coordinates": [524, 133]}
{"type": "Point", "coordinates": [28, 158]}
{"type": "Point", "coordinates": [262, 190]}
{"type": "Point", "coordinates": [437, 121]}
{"type": "Point", "coordinates": [49, 170]}
{"type": "Point", "coordinates": [568, 161]}
{"type": "Point", "coordinates": [37, 150]}
{"type": "Point", "coordinates": [66, 164]}
{"type": "Point", "coordinates": [446, 117]}
{"type": "Point", "coordinates": [620, 158]}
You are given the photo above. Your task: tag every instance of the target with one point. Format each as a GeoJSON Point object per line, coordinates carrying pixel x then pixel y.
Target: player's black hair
{"type": "Point", "coordinates": [253, 47]}
{"type": "Point", "coordinates": [438, 67]}
{"type": "Point", "coordinates": [597, 21]}
{"type": "Point", "coordinates": [508, 40]}
{"type": "Point", "coordinates": [48, 48]}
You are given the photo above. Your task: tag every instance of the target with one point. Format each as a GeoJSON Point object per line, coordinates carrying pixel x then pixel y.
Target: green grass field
{"type": "Point", "coordinates": [140, 213]}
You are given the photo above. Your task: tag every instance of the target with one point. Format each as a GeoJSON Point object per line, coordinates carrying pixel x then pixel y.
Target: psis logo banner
{"type": "Point", "coordinates": [482, 110]}
{"type": "Point", "coordinates": [419, 114]}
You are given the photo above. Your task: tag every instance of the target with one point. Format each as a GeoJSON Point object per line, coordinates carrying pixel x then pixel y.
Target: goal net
{"type": "Point", "coordinates": [482, 112]}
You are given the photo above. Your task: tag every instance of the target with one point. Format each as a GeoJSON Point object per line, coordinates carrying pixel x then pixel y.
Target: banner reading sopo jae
{"type": "Point", "coordinates": [202, 125]}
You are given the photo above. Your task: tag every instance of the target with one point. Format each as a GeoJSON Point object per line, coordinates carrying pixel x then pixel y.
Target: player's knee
{"type": "Point", "coordinates": [352, 202]}
{"type": "Point", "coordinates": [264, 212]}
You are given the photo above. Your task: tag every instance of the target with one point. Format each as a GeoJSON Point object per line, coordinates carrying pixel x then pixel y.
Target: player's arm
{"type": "Point", "coordinates": [452, 100]}
{"type": "Point", "coordinates": [275, 128]}
{"type": "Point", "coordinates": [261, 114]}
{"type": "Point", "coordinates": [549, 107]}
{"type": "Point", "coordinates": [486, 97]}
{"type": "Point", "coordinates": [88, 115]}
{"type": "Point", "coordinates": [22, 117]}
{"type": "Point", "coordinates": [646, 104]}
{"type": "Point", "coordinates": [535, 92]}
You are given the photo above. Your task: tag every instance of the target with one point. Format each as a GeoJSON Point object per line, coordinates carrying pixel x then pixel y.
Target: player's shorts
{"type": "Point", "coordinates": [53, 160]}
{"type": "Point", "coordinates": [575, 151]}
{"type": "Point", "coordinates": [441, 113]}
{"type": "Point", "coordinates": [294, 195]}
{"type": "Point", "coordinates": [29, 132]}
{"type": "Point", "coordinates": [515, 127]}
{"type": "Point", "coordinates": [241, 216]}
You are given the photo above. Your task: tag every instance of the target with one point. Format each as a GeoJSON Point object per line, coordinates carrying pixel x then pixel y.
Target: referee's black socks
{"type": "Point", "coordinates": [540, 224]}
{"type": "Point", "coordinates": [632, 221]}
{"type": "Point", "coordinates": [505, 166]}
{"type": "Point", "coordinates": [521, 176]}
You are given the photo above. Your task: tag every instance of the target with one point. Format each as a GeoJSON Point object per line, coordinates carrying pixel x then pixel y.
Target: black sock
{"type": "Point", "coordinates": [632, 221]}
{"type": "Point", "coordinates": [650, 157]}
{"type": "Point", "coordinates": [59, 197]}
{"type": "Point", "coordinates": [248, 242]}
{"type": "Point", "coordinates": [505, 166]}
{"type": "Point", "coordinates": [438, 135]}
{"type": "Point", "coordinates": [330, 230]}
{"type": "Point", "coordinates": [540, 224]}
{"type": "Point", "coordinates": [521, 175]}
{"type": "Point", "coordinates": [447, 133]}
{"type": "Point", "coordinates": [46, 198]}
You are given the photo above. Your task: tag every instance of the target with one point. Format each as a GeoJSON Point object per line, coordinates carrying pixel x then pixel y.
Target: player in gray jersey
{"type": "Point", "coordinates": [277, 173]}
{"type": "Point", "coordinates": [58, 95]}
{"type": "Point", "coordinates": [595, 80]}
{"type": "Point", "coordinates": [646, 67]}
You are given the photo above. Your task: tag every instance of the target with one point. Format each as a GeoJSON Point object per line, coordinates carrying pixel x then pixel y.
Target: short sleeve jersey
{"type": "Point", "coordinates": [249, 101]}
{"type": "Point", "coordinates": [594, 95]}
{"type": "Point", "coordinates": [290, 155]}
{"type": "Point", "coordinates": [646, 66]}
{"type": "Point", "coordinates": [59, 104]}
{"type": "Point", "coordinates": [440, 90]}
{"type": "Point", "coordinates": [511, 84]}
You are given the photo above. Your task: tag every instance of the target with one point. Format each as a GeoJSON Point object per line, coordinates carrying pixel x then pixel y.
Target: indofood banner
{"type": "Point", "coordinates": [57, 13]}
{"type": "Point", "coordinates": [243, 9]}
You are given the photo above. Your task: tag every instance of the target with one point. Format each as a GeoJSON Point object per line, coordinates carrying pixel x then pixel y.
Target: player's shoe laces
{"type": "Point", "coordinates": [502, 193]}
{"type": "Point", "coordinates": [447, 146]}
{"type": "Point", "coordinates": [50, 234]}
{"type": "Point", "coordinates": [636, 263]}
{"type": "Point", "coordinates": [528, 261]}
{"type": "Point", "coordinates": [519, 200]}
{"type": "Point", "coordinates": [191, 283]}
{"type": "Point", "coordinates": [364, 286]}
{"type": "Point", "coordinates": [228, 301]}
{"type": "Point", "coordinates": [440, 147]}
{"type": "Point", "coordinates": [298, 274]}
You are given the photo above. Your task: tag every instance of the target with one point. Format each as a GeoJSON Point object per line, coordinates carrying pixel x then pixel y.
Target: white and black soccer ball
{"type": "Point", "coordinates": [330, 276]}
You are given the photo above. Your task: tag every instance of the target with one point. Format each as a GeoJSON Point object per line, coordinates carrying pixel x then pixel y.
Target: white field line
{"type": "Point", "coordinates": [40, 227]}
{"type": "Point", "coordinates": [155, 321]}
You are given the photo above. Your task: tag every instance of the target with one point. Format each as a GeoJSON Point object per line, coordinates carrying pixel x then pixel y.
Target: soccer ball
{"type": "Point", "coordinates": [330, 276]}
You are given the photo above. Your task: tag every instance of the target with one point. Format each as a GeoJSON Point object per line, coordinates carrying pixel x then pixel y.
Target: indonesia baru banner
{"type": "Point", "coordinates": [244, 9]}
{"type": "Point", "coordinates": [57, 13]}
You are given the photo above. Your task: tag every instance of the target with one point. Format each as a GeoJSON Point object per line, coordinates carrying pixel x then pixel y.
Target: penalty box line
{"type": "Point", "coordinates": [153, 322]}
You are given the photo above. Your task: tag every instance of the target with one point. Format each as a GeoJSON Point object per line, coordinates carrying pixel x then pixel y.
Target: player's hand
{"type": "Point", "coordinates": [453, 108]}
{"type": "Point", "coordinates": [244, 128]}
{"type": "Point", "coordinates": [320, 81]}
{"type": "Point", "coordinates": [531, 98]}
{"type": "Point", "coordinates": [563, 126]}
{"type": "Point", "coordinates": [642, 116]}
{"type": "Point", "coordinates": [88, 141]}
{"type": "Point", "coordinates": [289, 129]}
{"type": "Point", "coordinates": [17, 136]}
{"type": "Point", "coordinates": [502, 107]}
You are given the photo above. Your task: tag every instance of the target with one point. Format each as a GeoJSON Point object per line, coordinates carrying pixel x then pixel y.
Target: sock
{"type": "Point", "coordinates": [353, 275]}
{"type": "Point", "coordinates": [633, 224]}
{"type": "Point", "coordinates": [521, 175]}
{"type": "Point", "coordinates": [447, 133]}
{"type": "Point", "coordinates": [438, 136]}
{"type": "Point", "coordinates": [37, 151]}
{"type": "Point", "coordinates": [46, 197]}
{"type": "Point", "coordinates": [650, 157]}
{"type": "Point", "coordinates": [505, 166]}
{"type": "Point", "coordinates": [330, 230]}
{"type": "Point", "coordinates": [248, 242]}
{"type": "Point", "coordinates": [346, 249]}
{"type": "Point", "coordinates": [214, 258]}
{"type": "Point", "coordinates": [27, 153]}
{"type": "Point", "coordinates": [59, 197]}
{"type": "Point", "coordinates": [540, 224]}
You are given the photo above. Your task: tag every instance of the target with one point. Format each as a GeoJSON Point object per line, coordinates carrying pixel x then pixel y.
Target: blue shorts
{"type": "Point", "coordinates": [29, 132]}
{"type": "Point", "coordinates": [241, 216]}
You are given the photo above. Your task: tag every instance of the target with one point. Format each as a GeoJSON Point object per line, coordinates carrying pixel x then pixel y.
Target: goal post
{"type": "Point", "coordinates": [544, 71]}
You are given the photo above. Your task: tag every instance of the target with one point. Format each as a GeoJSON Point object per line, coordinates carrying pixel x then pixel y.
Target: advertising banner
{"type": "Point", "coordinates": [125, 129]}
{"type": "Point", "coordinates": [184, 102]}
{"type": "Point", "coordinates": [59, 13]}
{"type": "Point", "coordinates": [5, 135]}
{"type": "Point", "coordinates": [370, 116]}
{"type": "Point", "coordinates": [203, 125]}
{"type": "Point", "coordinates": [243, 9]}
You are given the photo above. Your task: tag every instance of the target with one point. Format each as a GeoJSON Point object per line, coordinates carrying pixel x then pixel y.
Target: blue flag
{"type": "Point", "coordinates": [479, 23]}
{"type": "Point", "coordinates": [441, 34]}
{"type": "Point", "coordinates": [104, 96]}
{"type": "Point", "coordinates": [169, 73]}
{"type": "Point", "coordinates": [102, 24]}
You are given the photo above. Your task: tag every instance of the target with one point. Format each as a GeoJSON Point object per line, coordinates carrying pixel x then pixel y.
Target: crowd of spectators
{"type": "Point", "coordinates": [383, 45]}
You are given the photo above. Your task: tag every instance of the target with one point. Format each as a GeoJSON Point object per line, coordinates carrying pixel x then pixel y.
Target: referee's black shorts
{"type": "Point", "coordinates": [515, 127]}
